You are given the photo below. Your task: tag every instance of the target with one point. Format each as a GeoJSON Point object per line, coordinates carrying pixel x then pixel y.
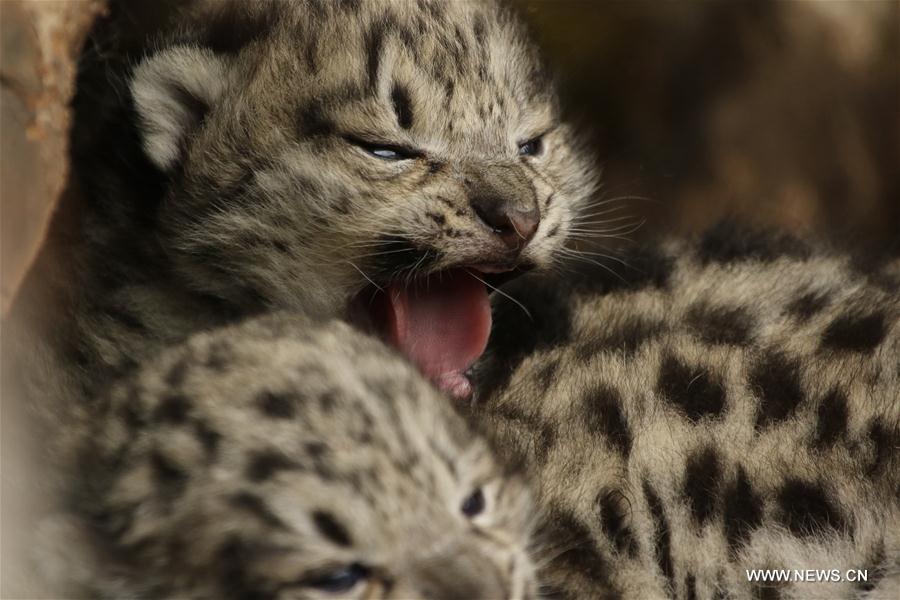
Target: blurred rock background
{"type": "Point", "coordinates": [777, 111]}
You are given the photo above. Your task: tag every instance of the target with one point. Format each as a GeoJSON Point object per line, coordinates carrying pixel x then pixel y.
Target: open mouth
{"type": "Point", "coordinates": [441, 322]}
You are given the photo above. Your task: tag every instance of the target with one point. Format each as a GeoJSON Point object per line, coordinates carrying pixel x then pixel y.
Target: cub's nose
{"type": "Point", "coordinates": [513, 226]}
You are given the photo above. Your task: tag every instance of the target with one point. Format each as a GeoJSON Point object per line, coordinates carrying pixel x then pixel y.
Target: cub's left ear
{"type": "Point", "coordinates": [173, 90]}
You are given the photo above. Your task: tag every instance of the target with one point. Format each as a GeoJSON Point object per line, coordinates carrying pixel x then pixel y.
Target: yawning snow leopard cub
{"type": "Point", "coordinates": [283, 459]}
{"type": "Point", "coordinates": [707, 409]}
{"type": "Point", "coordinates": [372, 160]}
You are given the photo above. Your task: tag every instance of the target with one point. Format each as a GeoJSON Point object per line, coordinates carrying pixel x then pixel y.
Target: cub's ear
{"type": "Point", "coordinates": [173, 90]}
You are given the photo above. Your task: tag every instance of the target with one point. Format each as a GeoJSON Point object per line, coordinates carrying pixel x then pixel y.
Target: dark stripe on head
{"type": "Point", "coordinates": [331, 528]}
{"type": "Point", "coordinates": [172, 409]}
{"type": "Point", "coordinates": [264, 464]}
{"type": "Point", "coordinates": [402, 104]}
{"type": "Point", "coordinates": [256, 506]}
{"type": "Point", "coordinates": [374, 47]}
{"type": "Point", "coordinates": [277, 406]}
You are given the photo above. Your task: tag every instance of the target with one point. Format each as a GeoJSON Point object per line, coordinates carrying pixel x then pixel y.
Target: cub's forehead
{"type": "Point", "coordinates": [286, 382]}
{"type": "Point", "coordinates": [452, 67]}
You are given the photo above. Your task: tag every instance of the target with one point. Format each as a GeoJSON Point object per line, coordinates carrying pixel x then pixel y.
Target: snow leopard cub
{"type": "Point", "coordinates": [715, 406]}
{"type": "Point", "coordinates": [371, 160]}
{"type": "Point", "coordinates": [284, 459]}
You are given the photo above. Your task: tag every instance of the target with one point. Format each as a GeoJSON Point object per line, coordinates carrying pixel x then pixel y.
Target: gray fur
{"type": "Point", "coordinates": [252, 461]}
{"type": "Point", "coordinates": [726, 404]}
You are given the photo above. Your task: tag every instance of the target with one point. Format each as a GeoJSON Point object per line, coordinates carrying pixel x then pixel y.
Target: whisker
{"type": "Point", "coordinates": [361, 272]}
{"type": "Point", "coordinates": [502, 293]}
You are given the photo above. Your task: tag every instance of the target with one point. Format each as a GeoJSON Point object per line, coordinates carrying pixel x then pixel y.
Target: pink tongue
{"type": "Point", "coordinates": [442, 324]}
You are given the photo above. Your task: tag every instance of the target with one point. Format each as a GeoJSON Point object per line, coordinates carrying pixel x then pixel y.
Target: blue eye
{"type": "Point", "coordinates": [340, 580]}
{"type": "Point", "coordinates": [384, 150]}
{"type": "Point", "coordinates": [385, 153]}
{"type": "Point", "coordinates": [532, 147]}
{"type": "Point", "coordinates": [474, 504]}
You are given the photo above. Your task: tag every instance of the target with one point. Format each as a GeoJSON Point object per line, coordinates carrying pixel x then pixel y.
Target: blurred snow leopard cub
{"type": "Point", "coordinates": [285, 459]}
{"type": "Point", "coordinates": [371, 160]}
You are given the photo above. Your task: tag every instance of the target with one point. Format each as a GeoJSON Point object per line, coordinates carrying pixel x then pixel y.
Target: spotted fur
{"type": "Point", "coordinates": [719, 405]}
{"type": "Point", "coordinates": [229, 168]}
{"type": "Point", "coordinates": [285, 459]}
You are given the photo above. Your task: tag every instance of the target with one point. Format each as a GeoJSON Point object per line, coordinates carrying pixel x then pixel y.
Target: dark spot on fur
{"type": "Point", "coordinates": [176, 375]}
{"type": "Point", "coordinates": [663, 535]}
{"type": "Point", "coordinates": [602, 409]}
{"type": "Point", "coordinates": [614, 515]}
{"type": "Point", "coordinates": [266, 463]}
{"type": "Point", "coordinates": [720, 324]}
{"type": "Point", "coordinates": [547, 373]}
{"type": "Point", "coordinates": [437, 218]}
{"type": "Point", "coordinates": [402, 104]}
{"type": "Point", "coordinates": [331, 528]}
{"type": "Point", "coordinates": [742, 511]}
{"type": "Point", "coordinates": [449, 89]}
{"type": "Point", "coordinates": [806, 510]}
{"type": "Point", "coordinates": [256, 506]}
{"type": "Point", "coordinates": [209, 438]}
{"type": "Point", "coordinates": [831, 419]}
{"type": "Point", "coordinates": [553, 231]}
{"type": "Point", "coordinates": [693, 390]}
{"type": "Point", "coordinates": [806, 306]}
{"type": "Point", "coordinates": [775, 380]}
{"type": "Point", "coordinates": [170, 477]}
{"type": "Point", "coordinates": [539, 433]}
{"type": "Point", "coordinates": [580, 557]}
{"type": "Point", "coordinates": [626, 338]}
{"type": "Point", "coordinates": [884, 446]}
{"type": "Point", "coordinates": [690, 586]}
{"type": "Point", "coordinates": [313, 121]}
{"type": "Point", "coordinates": [327, 402]}
{"type": "Point", "coordinates": [172, 409]}
{"type": "Point", "coordinates": [132, 414]}
{"type": "Point", "coordinates": [856, 333]}
{"type": "Point", "coordinates": [220, 354]}
{"type": "Point", "coordinates": [702, 478]}
{"type": "Point", "coordinates": [277, 406]}
{"type": "Point", "coordinates": [232, 563]}
{"type": "Point", "coordinates": [732, 242]}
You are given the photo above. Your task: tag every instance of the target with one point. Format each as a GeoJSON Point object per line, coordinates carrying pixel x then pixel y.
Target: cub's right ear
{"type": "Point", "coordinates": [173, 90]}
